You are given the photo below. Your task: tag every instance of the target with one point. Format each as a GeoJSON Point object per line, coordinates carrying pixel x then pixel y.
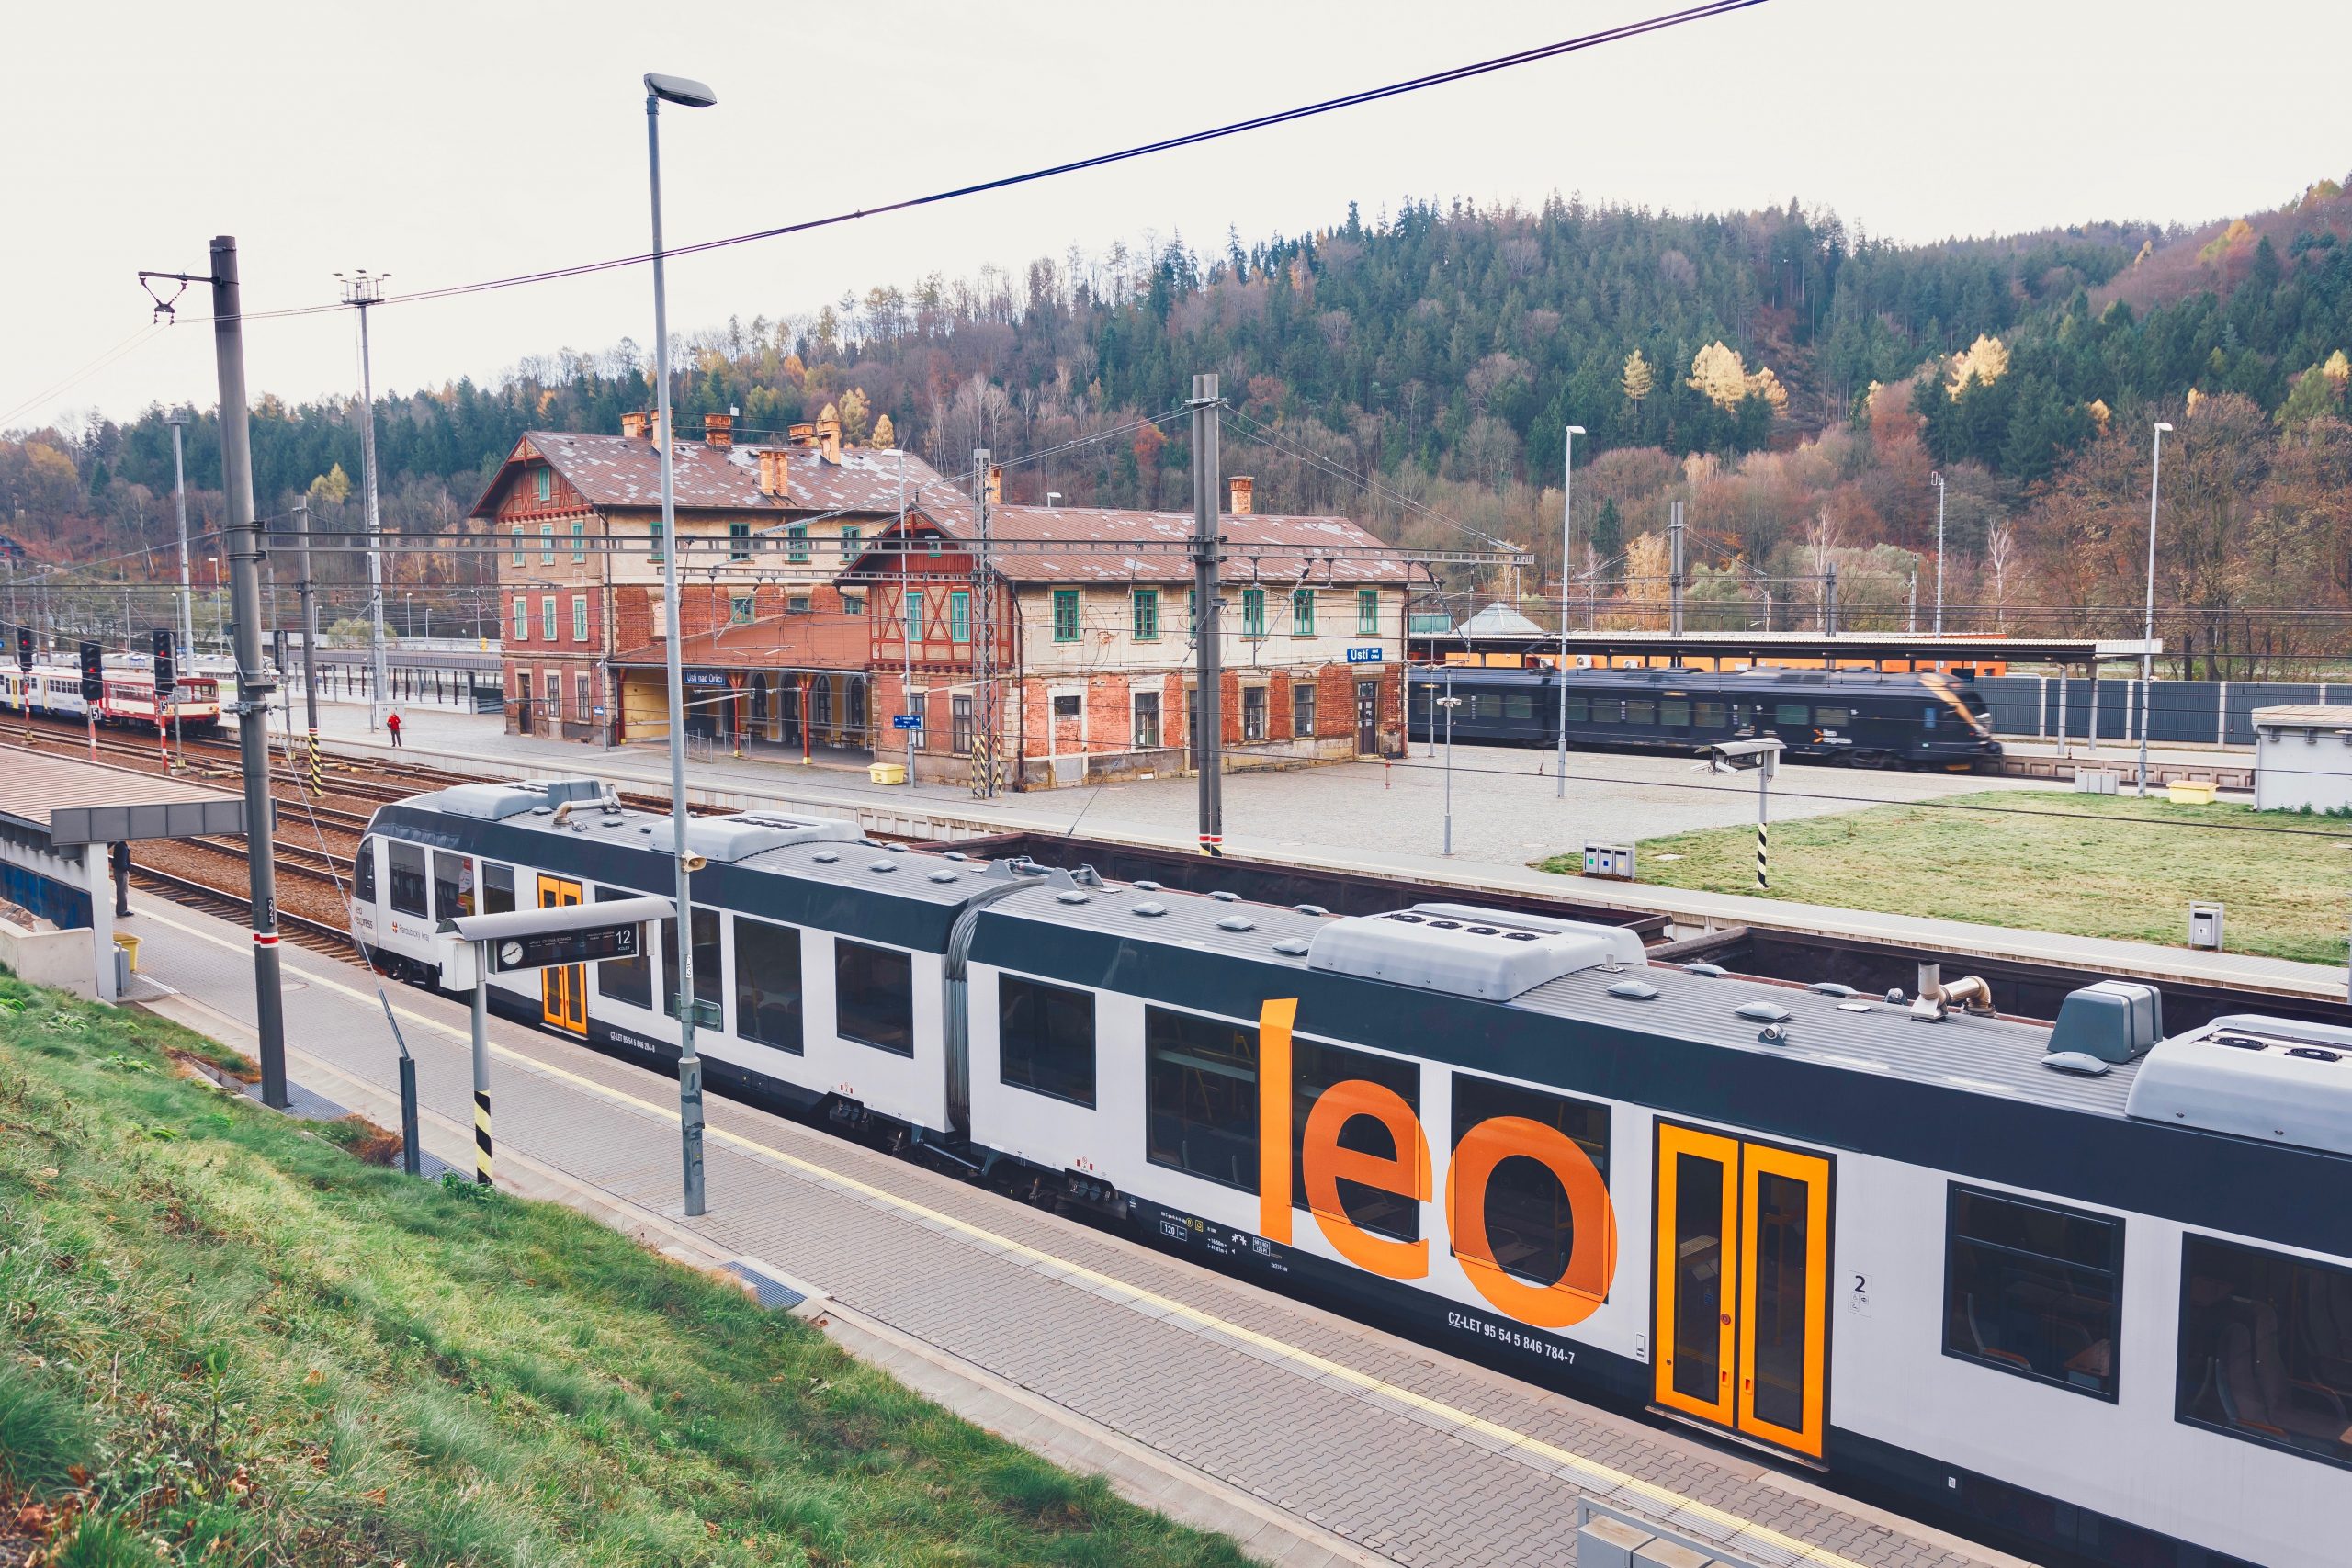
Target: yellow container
{"type": "Point", "coordinates": [888, 772]}
{"type": "Point", "coordinates": [130, 944]}
{"type": "Point", "coordinates": [2192, 792]}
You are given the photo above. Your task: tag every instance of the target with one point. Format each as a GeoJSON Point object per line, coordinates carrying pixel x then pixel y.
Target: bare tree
{"type": "Point", "coordinates": [2000, 558]}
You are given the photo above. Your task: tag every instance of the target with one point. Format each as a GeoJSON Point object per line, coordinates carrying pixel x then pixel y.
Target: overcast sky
{"type": "Point", "coordinates": [446, 143]}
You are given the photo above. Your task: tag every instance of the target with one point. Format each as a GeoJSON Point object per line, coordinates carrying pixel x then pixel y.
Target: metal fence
{"type": "Point", "coordinates": [2205, 713]}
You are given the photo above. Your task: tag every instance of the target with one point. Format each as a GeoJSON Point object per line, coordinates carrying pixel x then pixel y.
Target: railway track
{"type": "Point", "coordinates": [316, 935]}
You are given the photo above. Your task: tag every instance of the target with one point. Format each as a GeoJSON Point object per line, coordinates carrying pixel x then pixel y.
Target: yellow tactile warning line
{"type": "Point", "coordinates": [1598, 1476]}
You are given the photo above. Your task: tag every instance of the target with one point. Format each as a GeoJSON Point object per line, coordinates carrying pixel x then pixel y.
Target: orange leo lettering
{"type": "Point", "coordinates": [1582, 1286]}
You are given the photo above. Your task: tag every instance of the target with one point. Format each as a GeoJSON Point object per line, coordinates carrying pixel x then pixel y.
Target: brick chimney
{"type": "Point", "coordinates": [719, 430]}
{"type": "Point", "coordinates": [829, 437]}
{"type": "Point", "coordinates": [801, 434]}
{"type": "Point", "coordinates": [634, 426]}
{"type": "Point", "coordinates": [1238, 492]}
{"type": "Point", "coordinates": [773, 472]}
{"type": "Point", "coordinates": [996, 484]}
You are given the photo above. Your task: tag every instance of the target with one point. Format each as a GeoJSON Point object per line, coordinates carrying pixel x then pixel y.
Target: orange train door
{"type": "Point", "coordinates": [563, 991]}
{"type": "Point", "coordinates": [1743, 1285]}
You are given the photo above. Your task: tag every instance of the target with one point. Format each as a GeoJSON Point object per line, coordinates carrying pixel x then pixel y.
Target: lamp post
{"type": "Point", "coordinates": [1567, 522]}
{"type": "Point", "coordinates": [1939, 552]}
{"type": "Point", "coordinates": [179, 423]}
{"type": "Point", "coordinates": [2148, 617]}
{"type": "Point", "coordinates": [1449, 702]}
{"type": "Point", "coordinates": [691, 94]}
{"type": "Point", "coordinates": [219, 619]}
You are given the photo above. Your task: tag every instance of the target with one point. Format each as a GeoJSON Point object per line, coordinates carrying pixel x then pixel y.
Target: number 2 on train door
{"type": "Point", "coordinates": [563, 991]}
{"type": "Point", "coordinates": [1743, 1285]}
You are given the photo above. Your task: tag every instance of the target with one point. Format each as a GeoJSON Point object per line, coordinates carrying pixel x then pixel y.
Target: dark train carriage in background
{"type": "Point", "coordinates": [1865, 720]}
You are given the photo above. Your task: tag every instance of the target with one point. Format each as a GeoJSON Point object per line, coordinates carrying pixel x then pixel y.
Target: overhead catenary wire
{"type": "Point", "coordinates": [1076, 165]}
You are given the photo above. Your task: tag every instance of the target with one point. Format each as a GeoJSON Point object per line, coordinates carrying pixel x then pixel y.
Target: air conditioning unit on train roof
{"type": "Point", "coordinates": [496, 802]}
{"type": "Point", "coordinates": [2271, 1078]}
{"type": "Point", "coordinates": [740, 837]}
{"type": "Point", "coordinates": [1468, 951]}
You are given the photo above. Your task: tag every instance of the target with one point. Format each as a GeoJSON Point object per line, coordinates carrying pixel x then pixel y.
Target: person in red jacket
{"type": "Point", "coordinates": [392, 723]}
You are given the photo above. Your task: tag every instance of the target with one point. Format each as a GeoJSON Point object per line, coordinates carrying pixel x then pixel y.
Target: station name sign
{"type": "Point", "coordinates": [1365, 655]}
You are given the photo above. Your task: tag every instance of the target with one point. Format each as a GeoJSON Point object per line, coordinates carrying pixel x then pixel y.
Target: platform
{"type": "Point", "coordinates": [1311, 1438]}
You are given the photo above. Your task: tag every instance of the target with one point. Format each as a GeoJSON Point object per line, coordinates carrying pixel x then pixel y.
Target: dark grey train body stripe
{"type": "Point", "coordinates": [879, 915]}
{"type": "Point", "coordinates": [2268, 1191]}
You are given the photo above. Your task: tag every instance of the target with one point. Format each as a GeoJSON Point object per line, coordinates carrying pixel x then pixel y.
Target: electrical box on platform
{"type": "Point", "coordinates": [2205, 927]}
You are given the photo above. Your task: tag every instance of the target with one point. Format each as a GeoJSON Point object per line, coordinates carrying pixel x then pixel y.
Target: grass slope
{"type": "Point", "coordinates": [2099, 869]}
{"type": "Point", "coordinates": [225, 1340]}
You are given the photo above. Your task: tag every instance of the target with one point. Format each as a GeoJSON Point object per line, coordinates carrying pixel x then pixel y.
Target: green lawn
{"type": "Point", "coordinates": [2094, 865]}
{"type": "Point", "coordinates": [224, 1339]}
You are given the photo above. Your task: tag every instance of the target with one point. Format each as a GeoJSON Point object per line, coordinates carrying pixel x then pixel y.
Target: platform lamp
{"type": "Point", "coordinates": [692, 94]}
{"type": "Point", "coordinates": [2148, 619]}
{"type": "Point", "coordinates": [1567, 517]}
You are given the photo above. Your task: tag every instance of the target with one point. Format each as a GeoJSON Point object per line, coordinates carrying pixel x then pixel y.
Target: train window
{"type": "Point", "coordinates": [1578, 710]}
{"type": "Point", "coordinates": [1519, 706]}
{"type": "Point", "coordinates": [1201, 1096]}
{"type": "Point", "coordinates": [363, 871]}
{"type": "Point", "coordinates": [707, 987]}
{"type": "Point", "coordinates": [1486, 705]}
{"type": "Point", "coordinates": [1045, 1039]}
{"type": "Point", "coordinates": [627, 980]}
{"type": "Point", "coordinates": [1641, 710]}
{"type": "Point", "coordinates": [1832, 719]}
{"type": "Point", "coordinates": [2266, 1347]}
{"type": "Point", "coordinates": [1789, 712]}
{"type": "Point", "coordinates": [767, 983]}
{"type": "Point", "coordinates": [1927, 717]}
{"type": "Point", "coordinates": [453, 885]}
{"type": "Point", "coordinates": [1315, 1068]}
{"type": "Point", "coordinates": [1608, 710]}
{"type": "Point", "coordinates": [1675, 712]}
{"type": "Point", "coordinates": [2033, 1289]}
{"type": "Point", "coordinates": [497, 888]}
{"type": "Point", "coordinates": [407, 863]}
{"type": "Point", "coordinates": [1710, 715]}
{"type": "Point", "coordinates": [874, 997]}
{"type": "Point", "coordinates": [1528, 1222]}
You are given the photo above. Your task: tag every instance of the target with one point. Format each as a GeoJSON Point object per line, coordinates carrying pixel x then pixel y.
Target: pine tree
{"type": "Point", "coordinates": [1639, 379]}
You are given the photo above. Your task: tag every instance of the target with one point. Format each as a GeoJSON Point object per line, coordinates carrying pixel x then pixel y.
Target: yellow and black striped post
{"type": "Point", "coordinates": [318, 768]}
{"type": "Point", "coordinates": [1766, 765]}
{"type": "Point", "coordinates": [481, 1137]}
{"type": "Point", "coordinates": [1763, 841]}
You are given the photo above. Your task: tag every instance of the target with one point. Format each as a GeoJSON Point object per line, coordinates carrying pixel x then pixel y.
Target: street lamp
{"type": "Point", "coordinates": [1568, 520]}
{"type": "Point", "coordinates": [219, 623]}
{"type": "Point", "coordinates": [2148, 620]}
{"type": "Point", "coordinates": [1939, 552]}
{"type": "Point", "coordinates": [1449, 702]}
{"type": "Point", "coordinates": [690, 95]}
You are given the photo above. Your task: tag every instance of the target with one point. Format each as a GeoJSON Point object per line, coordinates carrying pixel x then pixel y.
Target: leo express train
{"type": "Point", "coordinates": [2087, 1284]}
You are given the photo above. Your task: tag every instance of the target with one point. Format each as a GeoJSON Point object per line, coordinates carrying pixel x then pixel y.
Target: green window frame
{"type": "Point", "coordinates": [1301, 612]}
{"type": "Point", "coordinates": [1145, 609]}
{"type": "Point", "coordinates": [851, 539]}
{"type": "Point", "coordinates": [518, 544]}
{"type": "Point", "coordinates": [547, 544]}
{"type": "Point", "coordinates": [1253, 612]}
{"type": "Point", "coordinates": [547, 617]}
{"type": "Point", "coordinates": [1192, 609]}
{"type": "Point", "coordinates": [795, 543]}
{"type": "Point", "coordinates": [739, 541]}
{"type": "Point", "coordinates": [522, 618]}
{"type": "Point", "coordinates": [543, 482]}
{"type": "Point", "coordinates": [653, 540]}
{"type": "Point", "coordinates": [1064, 615]}
{"type": "Point", "coordinates": [739, 609]}
{"type": "Point", "coordinates": [959, 615]}
{"type": "Point", "coordinates": [579, 542]}
{"type": "Point", "coordinates": [580, 618]}
{"type": "Point", "coordinates": [1368, 611]}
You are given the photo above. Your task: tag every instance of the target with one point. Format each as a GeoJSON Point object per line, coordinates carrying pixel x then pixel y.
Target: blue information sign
{"type": "Point", "coordinates": [1363, 656]}
{"type": "Point", "coordinates": [905, 721]}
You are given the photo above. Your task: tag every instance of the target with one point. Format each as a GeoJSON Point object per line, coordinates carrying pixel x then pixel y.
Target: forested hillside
{"type": "Point", "coordinates": [1442, 351]}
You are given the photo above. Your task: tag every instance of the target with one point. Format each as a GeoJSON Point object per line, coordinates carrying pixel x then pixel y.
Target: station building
{"type": "Point", "coordinates": [776, 649]}
{"type": "Point", "coordinates": [1074, 661]}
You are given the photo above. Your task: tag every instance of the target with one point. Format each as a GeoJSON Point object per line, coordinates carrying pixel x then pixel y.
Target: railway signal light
{"type": "Point", "coordinates": [24, 647]}
{"type": "Point", "coordinates": [166, 676]}
{"type": "Point", "coordinates": [94, 673]}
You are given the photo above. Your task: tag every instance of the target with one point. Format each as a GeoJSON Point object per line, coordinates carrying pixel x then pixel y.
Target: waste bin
{"type": "Point", "coordinates": [2192, 792]}
{"type": "Point", "coordinates": [2205, 926]}
{"type": "Point", "coordinates": [130, 946]}
{"type": "Point", "coordinates": [888, 772]}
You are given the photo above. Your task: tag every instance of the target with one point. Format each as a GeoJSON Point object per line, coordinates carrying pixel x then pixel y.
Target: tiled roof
{"type": "Point", "coordinates": [1096, 543]}
{"type": "Point", "coordinates": [625, 471]}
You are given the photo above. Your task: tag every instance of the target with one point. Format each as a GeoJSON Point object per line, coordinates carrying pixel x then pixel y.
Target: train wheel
{"type": "Point", "coordinates": [1866, 759]}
